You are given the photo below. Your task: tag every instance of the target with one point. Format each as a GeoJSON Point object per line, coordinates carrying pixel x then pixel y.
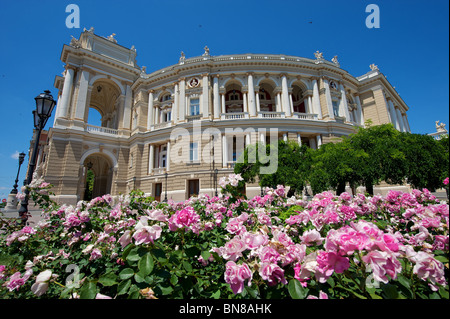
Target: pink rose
{"type": "Point", "coordinates": [268, 255]}
{"type": "Point", "coordinates": [254, 240]}
{"type": "Point", "coordinates": [272, 273]}
{"type": "Point", "coordinates": [235, 275]}
{"type": "Point", "coordinates": [446, 181]}
{"type": "Point", "coordinates": [233, 249]}
{"type": "Point", "coordinates": [235, 226]}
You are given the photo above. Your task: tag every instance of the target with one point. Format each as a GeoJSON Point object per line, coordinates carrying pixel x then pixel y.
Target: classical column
{"type": "Point", "coordinates": [299, 139]}
{"type": "Point", "coordinates": [205, 95]}
{"type": "Point", "coordinates": [175, 103]}
{"type": "Point", "coordinates": [344, 105]}
{"type": "Point", "coordinates": [224, 151]}
{"type": "Point", "coordinates": [63, 105]}
{"type": "Point", "coordinates": [258, 103]}
{"type": "Point", "coordinates": [81, 106]}
{"type": "Point", "coordinates": [285, 137]}
{"type": "Point", "coordinates": [216, 96]}
{"type": "Point", "coordinates": [291, 103]}
{"type": "Point", "coordinates": [316, 100]}
{"type": "Point", "coordinates": [359, 110]}
{"type": "Point", "coordinates": [168, 157]}
{"type": "Point", "coordinates": [328, 99]}
{"type": "Point", "coordinates": [151, 159]}
{"type": "Point", "coordinates": [285, 96]}
{"type": "Point", "coordinates": [245, 106]}
{"type": "Point", "coordinates": [405, 123]}
{"type": "Point", "coordinates": [150, 110]}
{"type": "Point", "coordinates": [319, 141]}
{"type": "Point", "coordinates": [224, 109]}
{"type": "Point", "coordinates": [399, 120]}
{"type": "Point", "coordinates": [182, 100]}
{"type": "Point", "coordinates": [157, 116]}
{"type": "Point", "coordinates": [251, 95]}
{"type": "Point", "coordinates": [308, 104]}
{"type": "Point", "coordinates": [127, 108]}
{"type": "Point", "coordinates": [393, 115]}
{"type": "Point", "coordinates": [278, 102]}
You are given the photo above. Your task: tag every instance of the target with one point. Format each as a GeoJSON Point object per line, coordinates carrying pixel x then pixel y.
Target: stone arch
{"type": "Point", "coordinates": [102, 164]}
{"type": "Point", "coordinates": [299, 102]}
{"type": "Point", "coordinates": [234, 96]}
{"type": "Point", "coordinates": [119, 85]}
{"type": "Point", "coordinates": [105, 97]}
{"type": "Point", "coordinates": [267, 94]}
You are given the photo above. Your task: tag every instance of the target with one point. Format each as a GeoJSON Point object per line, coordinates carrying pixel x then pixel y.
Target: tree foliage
{"type": "Point", "coordinates": [367, 157]}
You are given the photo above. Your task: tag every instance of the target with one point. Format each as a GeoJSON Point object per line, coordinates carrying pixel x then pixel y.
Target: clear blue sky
{"type": "Point", "coordinates": [411, 47]}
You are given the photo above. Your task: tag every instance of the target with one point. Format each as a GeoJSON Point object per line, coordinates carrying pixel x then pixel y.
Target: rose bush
{"type": "Point", "coordinates": [269, 246]}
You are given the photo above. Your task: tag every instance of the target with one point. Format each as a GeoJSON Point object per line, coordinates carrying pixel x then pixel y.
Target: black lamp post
{"type": "Point", "coordinates": [44, 107]}
{"type": "Point", "coordinates": [216, 171]}
{"type": "Point", "coordinates": [165, 196]}
{"type": "Point", "coordinates": [21, 158]}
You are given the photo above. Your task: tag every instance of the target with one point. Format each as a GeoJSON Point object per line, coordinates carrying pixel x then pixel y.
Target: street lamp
{"type": "Point", "coordinates": [165, 196]}
{"type": "Point", "coordinates": [216, 171]}
{"type": "Point", "coordinates": [21, 158]}
{"type": "Point", "coordinates": [44, 108]}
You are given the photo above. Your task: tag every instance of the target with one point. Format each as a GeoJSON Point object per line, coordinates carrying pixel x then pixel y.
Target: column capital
{"type": "Point", "coordinates": [182, 79]}
{"type": "Point", "coordinates": [283, 74]}
{"type": "Point", "coordinates": [250, 73]}
{"type": "Point", "coordinates": [204, 74]}
{"type": "Point", "coordinates": [151, 91]}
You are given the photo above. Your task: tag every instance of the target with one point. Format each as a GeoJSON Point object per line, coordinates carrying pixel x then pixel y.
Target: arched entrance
{"type": "Point", "coordinates": [96, 179]}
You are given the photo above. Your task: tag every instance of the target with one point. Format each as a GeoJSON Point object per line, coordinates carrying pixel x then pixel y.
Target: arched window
{"type": "Point", "coordinates": [298, 99]}
{"type": "Point", "coordinates": [94, 117]}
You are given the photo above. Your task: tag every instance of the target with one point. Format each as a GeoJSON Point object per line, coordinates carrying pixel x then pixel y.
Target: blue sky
{"type": "Point", "coordinates": [411, 47]}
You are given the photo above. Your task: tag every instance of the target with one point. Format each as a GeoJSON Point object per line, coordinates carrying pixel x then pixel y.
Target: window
{"type": "Point", "coordinates": [167, 116]}
{"type": "Point", "coordinates": [193, 152]}
{"type": "Point", "coordinates": [195, 107]}
{"type": "Point", "coordinates": [166, 97]}
{"type": "Point", "coordinates": [335, 108]}
{"type": "Point", "coordinates": [193, 187]}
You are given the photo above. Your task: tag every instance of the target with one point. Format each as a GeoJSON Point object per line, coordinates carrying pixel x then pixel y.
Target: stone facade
{"type": "Point", "coordinates": [193, 117]}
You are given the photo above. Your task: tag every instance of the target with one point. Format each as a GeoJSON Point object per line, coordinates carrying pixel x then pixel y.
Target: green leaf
{"type": "Point", "coordinates": [126, 273]}
{"type": "Point", "coordinates": [206, 254]}
{"type": "Point", "coordinates": [108, 279]}
{"type": "Point", "coordinates": [138, 277]}
{"type": "Point", "coordinates": [187, 266]}
{"type": "Point", "coordinates": [442, 259]}
{"type": "Point", "coordinates": [174, 279]}
{"type": "Point", "coordinates": [123, 287]}
{"type": "Point", "coordinates": [146, 264]}
{"type": "Point", "coordinates": [89, 290]}
{"type": "Point", "coordinates": [390, 291]}
{"type": "Point", "coordinates": [443, 292]}
{"type": "Point", "coordinates": [216, 295]}
{"type": "Point", "coordinates": [296, 290]}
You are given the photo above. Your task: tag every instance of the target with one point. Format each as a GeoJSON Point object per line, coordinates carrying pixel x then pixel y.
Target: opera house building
{"type": "Point", "coordinates": [176, 130]}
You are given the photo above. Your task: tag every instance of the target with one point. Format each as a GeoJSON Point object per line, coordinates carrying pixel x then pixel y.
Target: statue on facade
{"type": "Point", "coordinates": [182, 57]}
{"type": "Point", "coordinates": [318, 55]}
{"type": "Point", "coordinates": [373, 67]}
{"type": "Point", "coordinates": [440, 127]}
{"type": "Point", "coordinates": [206, 51]}
{"type": "Point", "coordinates": [335, 60]}
{"type": "Point", "coordinates": [75, 43]}
{"type": "Point", "coordinates": [111, 38]}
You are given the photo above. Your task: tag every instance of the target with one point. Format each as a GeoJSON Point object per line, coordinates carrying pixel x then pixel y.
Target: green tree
{"type": "Point", "coordinates": [291, 170]}
{"type": "Point", "coordinates": [427, 160]}
{"type": "Point", "coordinates": [383, 159]}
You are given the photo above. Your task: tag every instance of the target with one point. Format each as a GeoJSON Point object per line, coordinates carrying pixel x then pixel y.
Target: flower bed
{"type": "Point", "coordinates": [228, 247]}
